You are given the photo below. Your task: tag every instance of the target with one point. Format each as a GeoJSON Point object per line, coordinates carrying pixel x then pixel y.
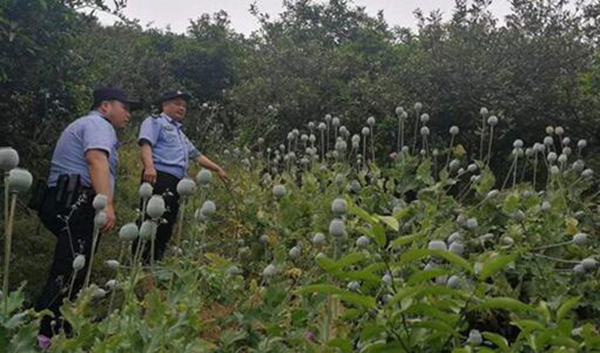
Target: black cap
{"type": "Point", "coordinates": [170, 95]}
{"type": "Point", "coordinates": [111, 94]}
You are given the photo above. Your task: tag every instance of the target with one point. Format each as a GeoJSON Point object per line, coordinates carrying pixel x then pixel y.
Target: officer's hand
{"type": "Point", "coordinates": [110, 219]}
{"type": "Point", "coordinates": [221, 174]}
{"type": "Point", "coordinates": [149, 175]}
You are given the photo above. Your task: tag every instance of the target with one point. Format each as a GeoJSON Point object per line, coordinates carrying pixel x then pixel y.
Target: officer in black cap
{"type": "Point", "coordinates": [165, 154]}
{"type": "Point", "coordinates": [84, 164]}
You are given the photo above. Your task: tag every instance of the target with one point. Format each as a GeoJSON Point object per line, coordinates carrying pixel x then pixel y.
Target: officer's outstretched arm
{"type": "Point", "coordinates": [97, 161]}
{"type": "Point", "coordinates": [208, 164]}
{"type": "Point", "coordinates": [149, 173]}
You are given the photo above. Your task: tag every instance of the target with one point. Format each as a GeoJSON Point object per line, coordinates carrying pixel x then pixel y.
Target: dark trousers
{"type": "Point", "coordinates": [165, 185]}
{"type": "Point", "coordinates": [73, 237]}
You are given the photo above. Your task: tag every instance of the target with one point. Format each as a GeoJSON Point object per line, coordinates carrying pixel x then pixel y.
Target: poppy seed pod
{"type": "Point", "coordinates": [492, 120]}
{"type": "Point", "coordinates": [454, 130]}
{"type": "Point", "coordinates": [418, 106]}
{"type": "Point", "coordinates": [100, 219]}
{"type": "Point", "coordinates": [363, 241]}
{"type": "Point", "coordinates": [337, 228]}
{"type": "Point", "coordinates": [269, 271]}
{"type": "Point", "coordinates": [425, 131]}
{"type": "Point", "coordinates": [261, 140]}
{"type": "Point", "coordinates": [559, 131]}
{"type": "Point", "coordinates": [437, 245]}
{"type": "Point", "coordinates": [304, 138]}
{"type": "Point", "coordinates": [156, 206]}
{"type": "Point", "coordinates": [425, 118]}
{"type": "Point", "coordinates": [475, 338]}
{"type": "Point", "coordinates": [549, 130]}
{"type": "Point", "coordinates": [79, 262]}
{"type": "Point", "coordinates": [186, 187]}
{"type": "Point", "coordinates": [19, 180]}
{"type": "Point", "coordinates": [454, 164]}
{"type": "Point", "coordinates": [581, 239]}
{"type": "Point", "coordinates": [548, 141]}
{"type": "Point", "coordinates": [328, 117]}
{"type": "Point", "coordinates": [204, 177]}
{"type": "Point", "coordinates": [371, 121]}
{"type": "Point", "coordinates": [365, 131]}
{"type": "Point", "coordinates": [581, 144]}
{"type": "Point", "coordinates": [295, 252]}
{"type": "Point", "coordinates": [146, 191]}
{"type": "Point", "coordinates": [318, 239]}
{"type": "Point", "coordinates": [566, 141]}
{"type": "Point", "coordinates": [98, 293]}
{"type": "Point", "coordinates": [339, 207]}
{"type": "Point", "coordinates": [100, 202]}
{"type": "Point", "coordinates": [128, 232]}
{"type": "Point", "coordinates": [335, 122]}
{"type": "Point", "coordinates": [311, 125]}
{"type": "Point", "coordinates": [484, 112]}
{"type": "Point", "coordinates": [279, 191]}
{"type": "Point", "coordinates": [9, 158]}
{"type": "Point", "coordinates": [208, 208]}
{"type": "Point", "coordinates": [518, 143]}
{"type": "Point", "coordinates": [112, 284]}
{"type": "Point", "coordinates": [199, 216]}
{"type": "Point", "coordinates": [399, 111]}
{"type": "Point", "coordinates": [112, 264]}
{"type": "Point", "coordinates": [312, 138]}
{"type": "Point", "coordinates": [322, 126]}
{"type": "Point", "coordinates": [148, 230]}
{"type": "Point", "coordinates": [552, 157]}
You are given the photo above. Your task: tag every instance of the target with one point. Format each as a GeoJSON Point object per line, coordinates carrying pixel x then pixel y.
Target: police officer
{"type": "Point", "coordinates": [165, 153]}
{"type": "Point", "coordinates": [84, 164]}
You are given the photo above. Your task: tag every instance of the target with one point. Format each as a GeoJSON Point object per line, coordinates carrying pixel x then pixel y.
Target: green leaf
{"type": "Point", "coordinates": [424, 173]}
{"type": "Point", "coordinates": [435, 325]}
{"type": "Point", "coordinates": [370, 331]}
{"type": "Point", "coordinates": [357, 299]}
{"type": "Point", "coordinates": [504, 303]}
{"type": "Point", "coordinates": [495, 264]}
{"type": "Point", "coordinates": [422, 276]}
{"type": "Point", "coordinates": [498, 340]}
{"type": "Point", "coordinates": [340, 343]}
{"type": "Point", "coordinates": [404, 240]}
{"type": "Point", "coordinates": [379, 234]}
{"type": "Point", "coordinates": [511, 204]}
{"type": "Point", "coordinates": [416, 254]}
{"type": "Point", "coordinates": [350, 259]}
{"type": "Point", "coordinates": [566, 307]}
{"type": "Point", "coordinates": [364, 215]}
{"type": "Point", "coordinates": [319, 288]}
{"type": "Point", "coordinates": [390, 221]}
{"type": "Point", "coordinates": [529, 325]}
{"type": "Point", "coordinates": [326, 263]}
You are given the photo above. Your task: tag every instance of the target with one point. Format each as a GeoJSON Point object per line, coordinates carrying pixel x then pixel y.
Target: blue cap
{"type": "Point", "coordinates": [111, 94]}
{"type": "Point", "coordinates": [170, 95]}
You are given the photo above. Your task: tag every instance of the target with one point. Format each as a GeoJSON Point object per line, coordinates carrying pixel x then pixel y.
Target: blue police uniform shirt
{"type": "Point", "coordinates": [90, 132]}
{"type": "Point", "coordinates": [171, 149]}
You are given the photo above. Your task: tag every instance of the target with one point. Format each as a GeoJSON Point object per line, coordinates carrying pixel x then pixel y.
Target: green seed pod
{"type": "Point", "coordinates": [100, 202]}
{"type": "Point", "coordinates": [457, 248]}
{"type": "Point", "coordinates": [437, 245]}
{"type": "Point", "coordinates": [269, 271]}
{"type": "Point", "coordinates": [233, 270]}
{"type": "Point", "coordinates": [112, 285]}
{"type": "Point", "coordinates": [589, 264]}
{"type": "Point", "coordinates": [353, 286]}
{"type": "Point", "coordinates": [454, 130]}
{"type": "Point", "coordinates": [128, 232]}
{"type": "Point", "coordinates": [279, 191]}
{"type": "Point", "coordinates": [79, 262]}
{"type": "Point", "coordinates": [98, 293]}
{"type": "Point", "coordinates": [112, 264]}
{"type": "Point", "coordinates": [319, 239]}
{"type": "Point", "coordinates": [19, 180]}
{"type": "Point", "coordinates": [337, 228]}
{"type": "Point", "coordinates": [363, 241]}
{"type": "Point", "coordinates": [339, 207]}
{"type": "Point", "coordinates": [204, 177]}
{"type": "Point", "coordinates": [492, 120]}
{"type": "Point", "coordinates": [475, 338]}
{"type": "Point", "coordinates": [156, 206]}
{"type": "Point", "coordinates": [146, 191]}
{"type": "Point", "coordinates": [148, 230]}
{"type": "Point", "coordinates": [581, 239]}
{"type": "Point", "coordinates": [100, 219]}
{"type": "Point", "coordinates": [186, 187]}
{"type": "Point", "coordinates": [295, 252]}
{"type": "Point", "coordinates": [208, 208]}
{"type": "Point", "coordinates": [418, 106]}
{"type": "Point", "coordinates": [371, 121]}
{"type": "Point", "coordinates": [9, 158]}
{"type": "Point", "coordinates": [454, 282]}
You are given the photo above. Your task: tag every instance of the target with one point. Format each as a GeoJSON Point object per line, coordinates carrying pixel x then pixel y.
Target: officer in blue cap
{"type": "Point", "coordinates": [84, 164]}
{"type": "Point", "coordinates": [165, 153]}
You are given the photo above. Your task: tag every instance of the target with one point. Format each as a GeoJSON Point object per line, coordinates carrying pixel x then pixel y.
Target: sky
{"type": "Point", "coordinates": [177, 13]}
